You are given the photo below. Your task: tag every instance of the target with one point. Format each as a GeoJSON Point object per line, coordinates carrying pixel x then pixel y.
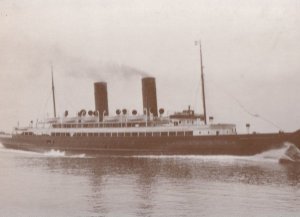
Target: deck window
{"type": "Point", "coordinates": [156, 133]}
{"type": "Point", "coordinates": [164, 133]}
{"type": "Point", "coordinates": [180, 133]}
{"type": "Point", "coordinates": [172, 133]}
{"type": "Point", "coordinates": [120, 134]}
{"type": "Point", "coordinates": [190, 133]}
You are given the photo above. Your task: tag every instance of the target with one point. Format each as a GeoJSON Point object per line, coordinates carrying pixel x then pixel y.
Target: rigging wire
{"type": "Point", "coordinates": [43, 109]}
{"type": "Point", "coordinates": [245, 109]}
{"type": "Point", "coordinates": [69, 103]}
{"type": "Point", "coordinates": [197, 90]}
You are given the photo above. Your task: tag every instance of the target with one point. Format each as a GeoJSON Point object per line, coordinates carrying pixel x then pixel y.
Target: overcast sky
{"type": "Point", "coordinates": [251, 54]}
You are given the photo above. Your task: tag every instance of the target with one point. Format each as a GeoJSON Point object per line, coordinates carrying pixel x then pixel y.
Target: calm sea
{"type": "Point", "coordinates": [55, 184]}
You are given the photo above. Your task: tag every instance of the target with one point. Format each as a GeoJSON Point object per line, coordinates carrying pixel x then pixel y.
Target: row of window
{"type": "Point", "coordinates": [115, 125]}
{"type": "Point", "coordinates": [27, 133]}
{"type": "Point", "coordinates": [100, 125]}
{"type": "Point", "coordinates": [123, 134]}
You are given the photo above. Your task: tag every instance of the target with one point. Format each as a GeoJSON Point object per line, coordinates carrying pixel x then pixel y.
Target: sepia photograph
{"type": "Point", "coordinates": [127, 108]}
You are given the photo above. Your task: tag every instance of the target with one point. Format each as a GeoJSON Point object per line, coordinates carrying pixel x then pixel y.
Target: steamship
{"type": "Point", "coordinates": [149, 132]}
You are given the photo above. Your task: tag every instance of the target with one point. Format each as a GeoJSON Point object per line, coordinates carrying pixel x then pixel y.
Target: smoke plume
{"type": "Point", "coordinates": [95, 69]}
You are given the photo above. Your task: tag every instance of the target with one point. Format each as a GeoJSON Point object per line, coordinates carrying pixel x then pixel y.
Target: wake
{"type": "Point", "coordinates": [58, 153]}
{"type": "Point", "coordinates": [287, 153]}
{"type": "Point", "coordinates": [14, 151]}
{"type": "Point", "coordinates": [291, 155]}
{"type": "Point", "coordinates": [52, 153]}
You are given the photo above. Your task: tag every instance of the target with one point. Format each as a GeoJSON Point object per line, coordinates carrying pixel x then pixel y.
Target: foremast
{"type": "Point", "coordinates": [202, 83]}
{"type": "Point", "coordinates": [53, 92]}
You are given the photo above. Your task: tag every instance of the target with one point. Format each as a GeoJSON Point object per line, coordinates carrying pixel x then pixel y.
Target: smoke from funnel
{"type": "Point", "coordinates": [99, 70]}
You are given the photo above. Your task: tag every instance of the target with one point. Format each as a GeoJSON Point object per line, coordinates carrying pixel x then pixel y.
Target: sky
{"type": "Point", "coordinates": [250, 49]}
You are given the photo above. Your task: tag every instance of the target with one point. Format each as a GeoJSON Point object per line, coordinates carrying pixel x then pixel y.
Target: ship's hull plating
{"type": "Point", "coordinates": [185, 145]}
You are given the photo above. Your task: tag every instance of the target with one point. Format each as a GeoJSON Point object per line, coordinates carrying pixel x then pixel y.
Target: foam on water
{"type": "Point", "coordinates": [273, 155]}
{"type": "Point", "coordinates": [287, 151]}
{"type": "Point", "coordinates": [55, 153]}
{"type": "Point", "coordinates": [6, 150]}
{"type": "Point", "coordinates": [192, 157]}
{"type": "Point", "coordinates": [58, 153]}
{"type": "Point", "coordinates": [227, 159]}
{"type": "Point", "coordinates": [291, 155]}
{"type": "Point", "coordinates": [51, 153]}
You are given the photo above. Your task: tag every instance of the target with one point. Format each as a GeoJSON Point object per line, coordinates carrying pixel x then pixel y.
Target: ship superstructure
{"type": "Point", "coordinates": [152, 121]}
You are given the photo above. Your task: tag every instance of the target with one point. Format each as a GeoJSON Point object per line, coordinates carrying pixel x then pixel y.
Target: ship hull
{"type": "Point", "coordinates": [185, 145]}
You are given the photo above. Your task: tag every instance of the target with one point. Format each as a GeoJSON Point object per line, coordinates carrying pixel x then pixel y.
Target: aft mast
{"type": "Point", "coordinates": [53, 92]}
{"type": "Point", "coordinates": [202, 82]}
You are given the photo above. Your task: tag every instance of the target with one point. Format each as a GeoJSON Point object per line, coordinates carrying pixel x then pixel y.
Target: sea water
{"type": "Point", "coordinates": [60, 184]}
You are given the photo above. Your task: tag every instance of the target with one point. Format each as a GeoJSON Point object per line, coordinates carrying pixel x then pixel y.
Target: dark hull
{"type": "Point", "coordinates": [185, 145]}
